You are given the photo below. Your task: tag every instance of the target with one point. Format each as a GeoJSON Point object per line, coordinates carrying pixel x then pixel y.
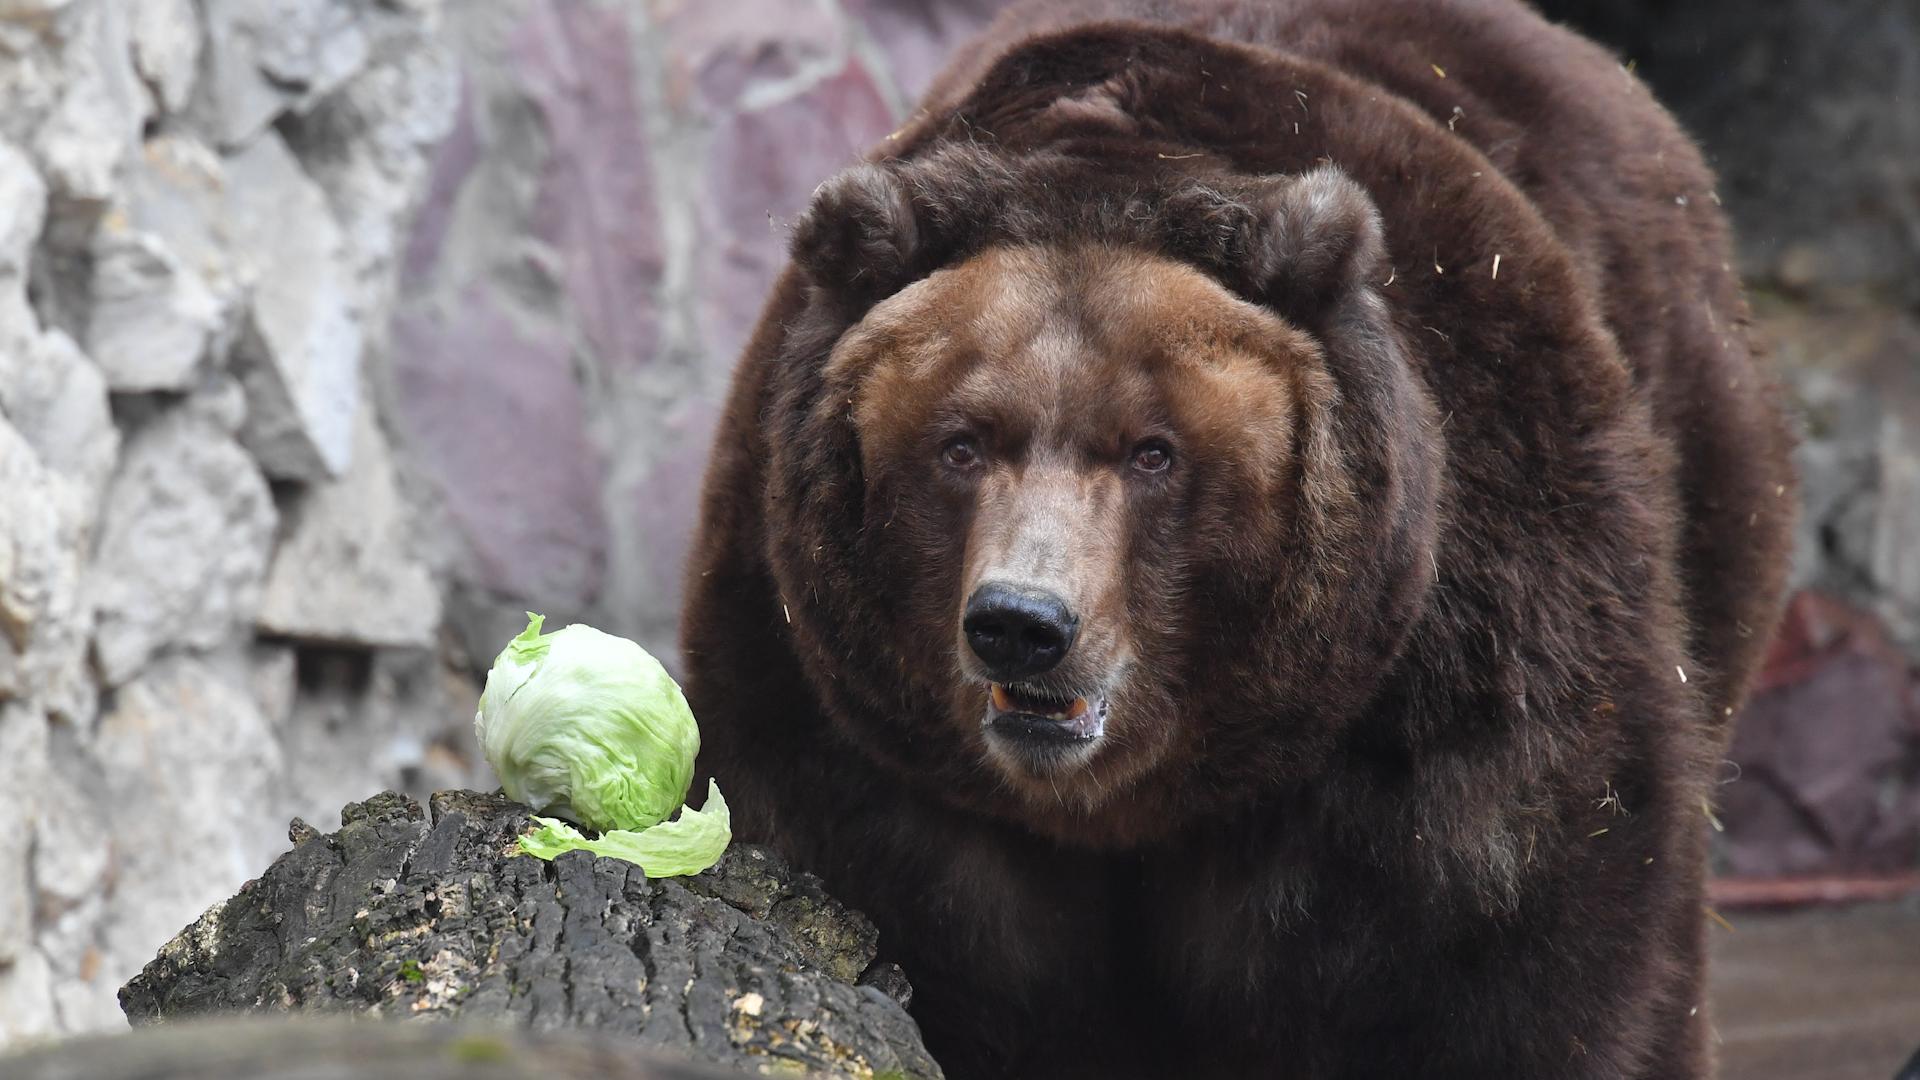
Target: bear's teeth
{"type": "Point", "coordinates": [1005, 700]}
{"type": "Point", "coordinates": [1008, 700]}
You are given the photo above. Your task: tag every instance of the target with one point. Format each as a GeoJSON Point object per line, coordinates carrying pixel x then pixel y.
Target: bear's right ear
{"type": "Point", "coordinates": [1316, 239]}
{"type": "Point", "coordinates": [859, 239]}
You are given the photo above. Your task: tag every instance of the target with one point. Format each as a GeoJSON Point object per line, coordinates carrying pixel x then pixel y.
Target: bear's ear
{"type": "Point", "coordinates": [1316, 239]}
{"type": "Point", "coordinates": [859, 239]}
{"type": "Point", "coordinates": [1106, 105]}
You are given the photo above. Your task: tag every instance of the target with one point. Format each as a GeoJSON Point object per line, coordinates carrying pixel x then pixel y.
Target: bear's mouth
{"type": "Point", "coordinates": [1029, 714]}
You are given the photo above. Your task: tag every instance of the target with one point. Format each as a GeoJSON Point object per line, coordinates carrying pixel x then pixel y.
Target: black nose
{"type": "Point", "coordinates": [1018, 633]}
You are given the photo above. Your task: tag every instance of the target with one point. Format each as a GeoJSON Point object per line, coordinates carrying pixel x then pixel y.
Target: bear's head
{"type": "Point", "coordinates": [1097, 498]}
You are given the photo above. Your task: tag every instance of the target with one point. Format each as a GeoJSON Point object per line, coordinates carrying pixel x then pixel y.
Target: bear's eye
{"type": "Point", "coordinates": [960, 453]}
{"type": "Point", "coordinates": [1152, 456]}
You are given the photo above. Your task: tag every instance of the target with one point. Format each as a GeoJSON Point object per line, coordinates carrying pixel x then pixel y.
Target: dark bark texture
{"type": "Point", "coordinates": [408, 912]}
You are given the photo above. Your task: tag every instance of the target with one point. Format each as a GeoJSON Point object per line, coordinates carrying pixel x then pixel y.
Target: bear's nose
{"type": "Point", "coordinates": [1018, 633]}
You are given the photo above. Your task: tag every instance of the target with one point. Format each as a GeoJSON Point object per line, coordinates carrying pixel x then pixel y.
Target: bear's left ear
{"type": "Point", "coordinates": [858, 240]}
{"type": "Point", "coordinates": [1315, 239]}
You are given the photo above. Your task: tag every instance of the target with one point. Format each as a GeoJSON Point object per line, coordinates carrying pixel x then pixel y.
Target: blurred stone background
{"type": "Point", "coordinates": [335, 334]}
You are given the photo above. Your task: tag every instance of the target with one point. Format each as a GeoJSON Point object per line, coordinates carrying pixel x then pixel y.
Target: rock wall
{"type": "Point", "coordinates": [334, 334]}
{"type": "Point", "coordinates": [212, 615]}
{"type": "Point", "coordinates": [603, 225]}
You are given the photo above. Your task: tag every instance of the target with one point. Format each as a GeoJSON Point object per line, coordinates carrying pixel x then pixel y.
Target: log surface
{"type": "Point", "coordinates": [435, 913]}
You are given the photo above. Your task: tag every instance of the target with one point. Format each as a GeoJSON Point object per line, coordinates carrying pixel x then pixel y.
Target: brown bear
{"type": "Point", "coordinates": [1237, 539]}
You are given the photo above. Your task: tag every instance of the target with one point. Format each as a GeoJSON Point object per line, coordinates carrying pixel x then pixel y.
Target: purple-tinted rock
{"type": "Point", "coordinates": [919, 35]}
{"type": "Point", "coordinates": [765, 165]}
{"type": "Point", "coordinates": [496, 419]}
{"type": "Point", "coordinates": [454, 160]}
{"type": "Point", "coordinates": [595, 206]}
{"type": "Point", "coordinates": [1826, 750]}
{"type": "Point", "coordinates": [665, 502]}
{"type": "Point", "coordinates": [723, 50]}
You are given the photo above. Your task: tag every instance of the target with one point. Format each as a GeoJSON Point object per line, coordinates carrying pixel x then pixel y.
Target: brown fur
{"type": "Point", "coordinates": [1421, 648]}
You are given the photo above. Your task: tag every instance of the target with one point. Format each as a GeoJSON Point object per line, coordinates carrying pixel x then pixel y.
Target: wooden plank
{"type": "Point", "coordinates": [1818, 994]}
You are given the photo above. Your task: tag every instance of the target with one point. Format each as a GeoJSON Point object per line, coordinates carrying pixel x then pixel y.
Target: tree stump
{"type": "Point", "coordinates": [405, 913]}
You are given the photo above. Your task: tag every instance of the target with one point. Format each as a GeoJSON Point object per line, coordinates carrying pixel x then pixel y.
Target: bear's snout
{"type": "Point", "coordinates": [1018, 632]}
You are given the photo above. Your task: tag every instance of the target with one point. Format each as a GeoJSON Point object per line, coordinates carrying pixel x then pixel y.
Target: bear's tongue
{"type": "Point", "coordinates": [1008, 699]}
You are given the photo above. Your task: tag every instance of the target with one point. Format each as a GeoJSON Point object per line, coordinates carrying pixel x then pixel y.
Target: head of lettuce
{"type": "Point", "coordinates": [589, 727]}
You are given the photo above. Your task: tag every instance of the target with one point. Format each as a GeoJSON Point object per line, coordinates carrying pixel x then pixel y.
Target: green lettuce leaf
{"type": "Point", "coordinates": [686, 845]}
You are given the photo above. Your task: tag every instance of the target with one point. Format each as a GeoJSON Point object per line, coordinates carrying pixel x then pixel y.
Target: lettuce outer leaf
{"type": "Point", "coordinates": [686, 845]}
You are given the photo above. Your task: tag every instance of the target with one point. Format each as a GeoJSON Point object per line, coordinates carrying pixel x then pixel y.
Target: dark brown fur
{"type": "Point", "coordinates": [1435, 623]}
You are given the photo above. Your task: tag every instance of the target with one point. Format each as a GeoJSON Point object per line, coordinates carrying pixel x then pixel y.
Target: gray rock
{"type": "Point", "coordinates": [176, 188]}
{"type": "Point", "coordinates": [183, 547]}
{"type": "Point", "coordinates": [345, 573]}
{"type": "Point", "coordinates": [23, 762]}
{"type": "Point", "coordinates": [361, 718]}
{"type": "Point", "coordinates": [29, 11]}
{"type": "Point", "coordinates": [368, 146]}
{"type": "Point", "coordinates": [166, 50]}
{"type": "Point", "coordinates": [99, 107]}
{"type": "Point", "coordinates": [72, 860]}
{"type": "Point", "coordinates": [194, 771]}
{"type": "Point", "coordinates": [73, 882]}
{"type": "Point", "coordinates": [30, 76]}
{"type": "Point", "coordinates": [26, 999]}
{"type": "Point", "coordinates": [177, 192]}
{"type": "Point", "coordinates": [42, 674]}
{"type": "Point", "coordinates": [299, 349]}
{"type": "Point", "coordinates": [23, 207]}
{"type": "Point", "coordinates": [39, 546]}
{"type": "Point", "coordinates": [151, 319]}
{"type": "Point", "coordinates": [84, 1004]}
{"type": "Point", "coordinates": [224, 300]}
{"type": "Point", "coordinates": [1851, 373]}
{"type": "Point", "coordinates": [272, 677]}
{"type": "Point", "coordinates": [405, 914]}
{"type": "Point", "coordinates": [220, 400]}
{"type": "Point", "coordinates": [12, 682]}
{"type": "Point", "coordinates": [264, 57]}
{"type": "Point", "coordinates": [25, 543]}
{"type": "Point", "coordinates": [55, 397]}
{"type": "Point", "coordinates": [51, 394]}
{"type": "Point", "coordinates": [44, 615]}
